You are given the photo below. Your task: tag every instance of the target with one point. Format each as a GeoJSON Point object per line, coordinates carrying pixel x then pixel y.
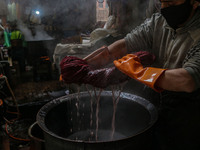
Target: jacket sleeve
{"type": "Point", "coordinates": [192, 63]}
{"type": "Point", "coordinates": [141, 38]}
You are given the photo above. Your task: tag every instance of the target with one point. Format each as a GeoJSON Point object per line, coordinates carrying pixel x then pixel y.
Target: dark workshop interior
{"type": "Point", "coordinates": [35, 35]}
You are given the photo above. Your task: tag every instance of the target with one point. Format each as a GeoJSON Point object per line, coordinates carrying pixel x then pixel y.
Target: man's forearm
{"type": "Point", "coordinates": [178, 80]}
{"type": "Point", "coordinates": [118, 49]}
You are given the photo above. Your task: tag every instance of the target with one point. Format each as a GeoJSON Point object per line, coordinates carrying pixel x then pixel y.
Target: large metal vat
{"type": "Point", "coordinates": [68, 118]}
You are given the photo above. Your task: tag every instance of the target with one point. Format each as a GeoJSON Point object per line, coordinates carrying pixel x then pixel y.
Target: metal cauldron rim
{"type": "Point", "coordinates": [45, 109]}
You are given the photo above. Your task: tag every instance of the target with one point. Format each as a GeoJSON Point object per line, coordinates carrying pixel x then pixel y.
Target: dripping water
{"type": "Point", "coordinates": [116, 98]}
{"type": "Point", "coordinates": [97, 97]}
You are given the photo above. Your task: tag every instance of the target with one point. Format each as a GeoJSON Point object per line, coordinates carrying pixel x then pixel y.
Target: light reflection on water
{"type": "Point", "coordinates": [90, 135]}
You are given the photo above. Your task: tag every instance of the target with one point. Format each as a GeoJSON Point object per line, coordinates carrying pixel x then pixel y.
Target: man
{"type": "Point", "coordinates": [173, 36]}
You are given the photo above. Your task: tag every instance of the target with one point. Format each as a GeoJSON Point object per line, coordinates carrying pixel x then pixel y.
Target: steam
{"type": "Point", "coordinates": [141, 9]}
{"type": "Point", "coordinates": [69, 14]}
{"type": "Point", "coordinates": [65, 15]}
{"type": "Point", "coordinates": [77, 15]}
{"type": "Point", "coordinates": [39, 35]}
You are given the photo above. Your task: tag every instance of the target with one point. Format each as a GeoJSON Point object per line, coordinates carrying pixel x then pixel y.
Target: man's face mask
{"type": "Point", "coordinates": [178, 14]}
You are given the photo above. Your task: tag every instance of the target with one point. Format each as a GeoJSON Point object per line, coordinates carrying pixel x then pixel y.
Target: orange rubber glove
{"type": "Point", "coordinates": [131, 66]}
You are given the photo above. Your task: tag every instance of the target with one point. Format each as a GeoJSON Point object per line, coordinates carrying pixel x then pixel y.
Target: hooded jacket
{"type": "Point", "coordinates": [173, 48]}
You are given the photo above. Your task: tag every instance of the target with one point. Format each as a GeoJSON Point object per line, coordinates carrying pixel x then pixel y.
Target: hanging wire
{"type": "Point", "coordinates": [13, 96]}
{"type": "Point", "coordinates": [9, 122]}
{"type": "Point", "coordinates": [13, 137]}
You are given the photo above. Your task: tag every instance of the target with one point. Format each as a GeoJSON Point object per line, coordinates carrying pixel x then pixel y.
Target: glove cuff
{"type": "Point", "coordinates": [150, 76]}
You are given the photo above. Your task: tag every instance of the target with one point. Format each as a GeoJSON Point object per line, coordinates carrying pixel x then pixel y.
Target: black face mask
{"type": "Point", "coordinates": [177, 15]}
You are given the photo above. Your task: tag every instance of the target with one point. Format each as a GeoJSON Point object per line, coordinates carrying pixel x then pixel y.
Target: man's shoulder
{"type": "Point", "coordinates": [155, 19]}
